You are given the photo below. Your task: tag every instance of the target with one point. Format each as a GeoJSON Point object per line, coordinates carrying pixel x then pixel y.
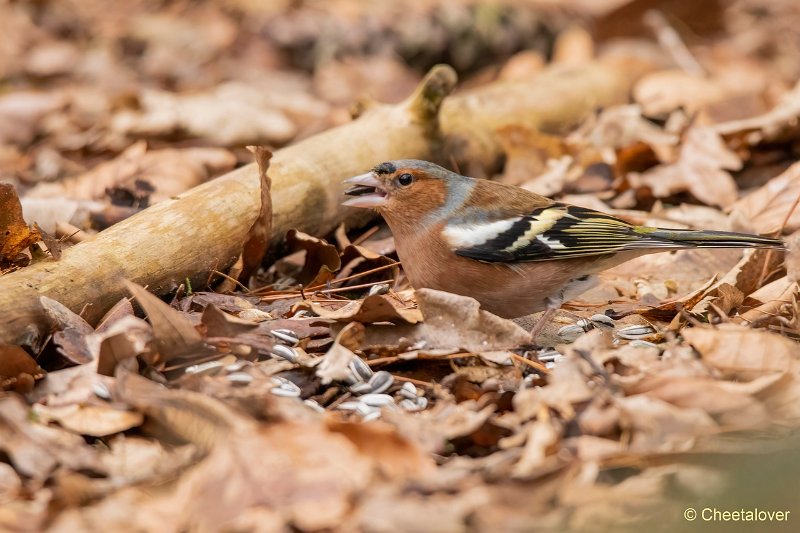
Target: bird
{"type": "Point", "coordinates": [514, 251]}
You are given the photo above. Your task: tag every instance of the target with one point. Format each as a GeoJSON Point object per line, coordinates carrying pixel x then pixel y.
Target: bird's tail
{"type": "Point", "coordinates": [713, 239]}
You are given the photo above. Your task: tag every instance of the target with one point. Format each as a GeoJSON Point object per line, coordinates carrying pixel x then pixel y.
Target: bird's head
{"type": "Point", "coordinates": [407, 188]}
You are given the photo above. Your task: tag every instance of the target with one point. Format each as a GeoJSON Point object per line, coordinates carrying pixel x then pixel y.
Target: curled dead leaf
{"type": "Point", "coordinates": [18, 370]}
{"type": "Point", "coordinates": [15, 235]}
{"type": "Point", "coordinates": [372, 309]}
{"type": "Point", "coordinates": [743, 353]}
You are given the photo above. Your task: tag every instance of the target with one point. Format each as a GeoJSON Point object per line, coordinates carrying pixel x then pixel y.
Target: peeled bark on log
{"type": "Point", "coordinates": [204, 229]}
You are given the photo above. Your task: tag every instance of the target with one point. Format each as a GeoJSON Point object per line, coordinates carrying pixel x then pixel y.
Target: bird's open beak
{"type": "Point", "coordinates": [367, 192]}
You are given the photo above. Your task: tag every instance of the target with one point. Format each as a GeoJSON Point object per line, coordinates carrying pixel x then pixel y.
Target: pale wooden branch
{"type": "Point", "coordinates": [553, 101]}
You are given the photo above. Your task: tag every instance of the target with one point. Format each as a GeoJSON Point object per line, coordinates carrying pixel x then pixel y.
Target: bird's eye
{"type": "Point", "coordinates": [405, 180]}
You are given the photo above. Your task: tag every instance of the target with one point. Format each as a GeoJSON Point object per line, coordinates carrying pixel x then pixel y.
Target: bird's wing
{"type": "Point", "coordinates": [558, 231]}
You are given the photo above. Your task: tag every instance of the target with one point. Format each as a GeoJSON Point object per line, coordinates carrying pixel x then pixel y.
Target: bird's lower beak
{"type": "Point", "coordinates": [367, 191]}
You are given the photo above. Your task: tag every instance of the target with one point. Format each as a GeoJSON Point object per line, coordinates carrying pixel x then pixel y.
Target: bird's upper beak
{"type": "Point", "coordinates": [367, 191]}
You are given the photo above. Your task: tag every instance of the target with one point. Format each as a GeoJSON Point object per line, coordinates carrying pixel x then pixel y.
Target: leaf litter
{"type": "Point", "coordinates": [324, 393]}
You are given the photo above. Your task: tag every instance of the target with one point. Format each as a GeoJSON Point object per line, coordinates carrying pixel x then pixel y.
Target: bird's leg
{"type": "Point", "coordinates": [546, 317]}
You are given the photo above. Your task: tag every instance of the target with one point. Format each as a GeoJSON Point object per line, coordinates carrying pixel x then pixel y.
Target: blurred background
{"type": "Point", "coordinates": [83, 80]}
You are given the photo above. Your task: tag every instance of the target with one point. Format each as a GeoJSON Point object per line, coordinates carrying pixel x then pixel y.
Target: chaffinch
{"type": "Point", "coordinates": [514, 251]}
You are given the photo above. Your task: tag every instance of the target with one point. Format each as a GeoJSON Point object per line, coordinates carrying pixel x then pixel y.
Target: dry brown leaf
{"type": "Point", "coordinates": [334, 365]}
{"type": "Point", "coordinates": [467, 326]}
{"type": "Point", "coordinates": [220, 324]}
{"type": "Point", "coordinates": [541, 439]}
{"type": "Point", "coordinates": [15, 235]}
{"type": "Point", "coordinates": [393, 454]}
{"type": "Point", "coordinates": [666, 90]}
{"type": "Point", "coordinates": [771, 124]}
{"type": "Point", "coordinates": [379, 78]}
{"type": "Point", "coordinates": [126, 338]}
{"type": "Point", "coordinates": [35, 449]}
{"type": "Point", "coordinates": [374, 308]}
{"type": "Point", "coordinates": [321, 259]}
{"type": "Point", "coordinates": [621, 127]}
{"type": "Point", "coordinates": [433, 428]}
{"type": "Point", "coordinates": [652, 278]}
{"type": "Point", "coordinates": [174, 333]}
{"type": "Point", "coordinates": [93, 420]}
{"type": "Point", "coordinates": [135, 459]}
{"type": "Point", "coordinates": [656, 426]}
{"type": "Point", "coordinates": [18, 370]}
{"type": "Point", "coordinates": [192, 417]}
{"type": "Point", "coordinates": [21, 114]}
{"type": "Point", "coordinates": [142, 175]}
{"type": "Point", "coordinates": [743, 353]}
{"type": "Point", "coordinates": [768, 207]}
{"type": "Point", "coordinates": [450, 322]}
{"type": "Point", "coordinates": [121, 309]}
{"type": "Point", "coordinates": [389, 509]}
{"type": "Point", "coordinates": [228, 115]}
{"type": "Point", "coordinates": [528, 152]}
{"type": "Point", "coordinates": [701, 169]}
{"type": "Point", "coordinates": [257, 243]}
{"type": "Point", "coordinates": [71, 335]}
{"type": "Point", "coordinates": [734, 410]}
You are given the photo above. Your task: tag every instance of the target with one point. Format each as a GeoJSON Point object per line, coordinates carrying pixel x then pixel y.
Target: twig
{"type": "Point", "coordinates": [340, 280]}
{"type": "Point", "coordinates": [414, 381]}
{"type": "Point", "coordinates": [366, 235]}
{"type": "Point", "coordinates": [356, 276]}
{"type": "Point", "coordinates": [533, 364]}
{"type": "Point", "coordinates": [671, 41]}
{"type": "Point", "coordinates": [271, 297]}
{"type": "Point", "coordinates": [229, 279]}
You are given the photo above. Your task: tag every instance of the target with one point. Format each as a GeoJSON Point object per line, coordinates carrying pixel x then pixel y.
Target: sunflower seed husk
{"type": "Point", "coordinates": [285, 384]}
{"type": "Point", "coordinates": [584, 324]}
{"type": "Point", "coordinates": [348, 406]}
{"type": "Point", "coordinates": [408, 391]}
{"type": "Point", "coordinates": [602, 320]}
{"type": "Point", "coordinates": [360, 369]}
{"type": "Point", "coordinates": [351, 378]}
{"type": "Point", "coordinates": [362, 387]}
{"type": "Point", "coordinates": [383, 288]}
{"type": "Point", "coordinates": [286, 335]}
{"type": "Point", "coordinates": [412, 406]}
{"type": "Point", "coordinates": [364, 409]}
{"type": "Point", "coordinates": [408, 405]}
{"type": "Point", "coordinates": [381, 381]}
{"type": "Point", "coordinates": [284, 352]}
{"type": "Point", "coordinates": [287, 393]}
{"type": "Point", "coordinates": [237, 365]}
{"type": "Point", "coordinates": [374, 415]}
{"type": "Point", "coordinates": [101, 391]}
{"type": "Point", "coordinates": [240, 379]}
{"type": "Point", "coordinates": [643, 344]}
{"type": "Point", "coordinates": [548, 356]}
{"type": "Point", "coordinates": [571, 332]}
{"type": "Point", "coordinates": [635, 332]}
{"type": "Point", "coordinates": [204, 368]}
{"type": "Point", "coordinates": [314, 405]}
{"type": "Point", "coordinates": [377, 400]}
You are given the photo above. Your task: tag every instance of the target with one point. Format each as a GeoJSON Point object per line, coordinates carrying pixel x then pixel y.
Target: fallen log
{"type": "Point", "coordinates": [203, 229]}
{"type": "Point", "coordinates": [553, 101]}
